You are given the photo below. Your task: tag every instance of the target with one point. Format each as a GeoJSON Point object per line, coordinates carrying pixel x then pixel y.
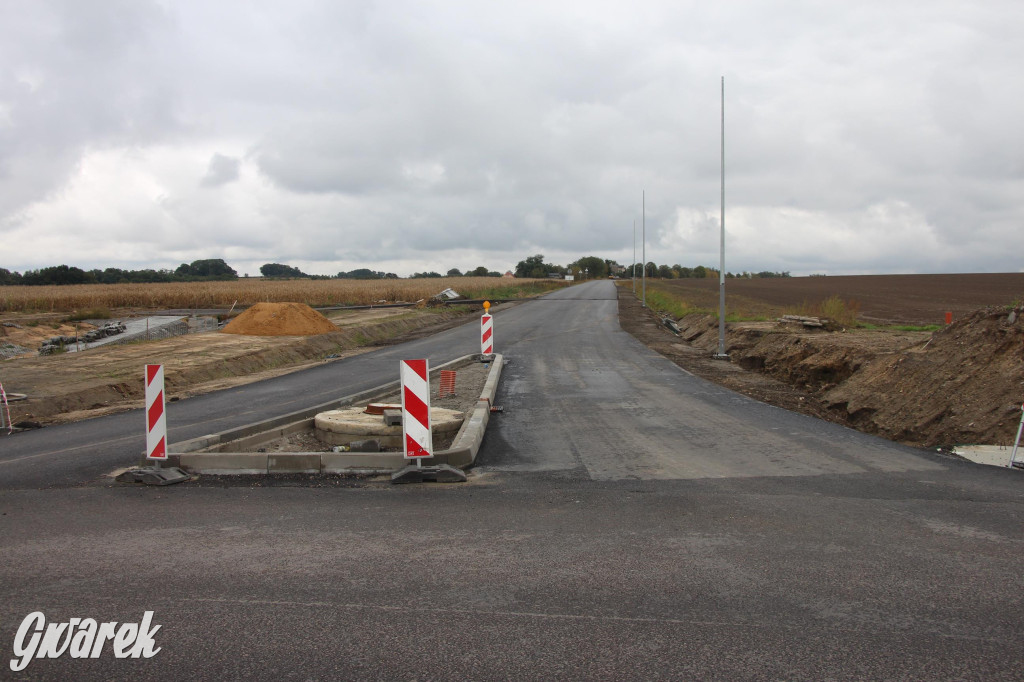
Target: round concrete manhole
{"type": "Point", "coordinates": [341, 427]}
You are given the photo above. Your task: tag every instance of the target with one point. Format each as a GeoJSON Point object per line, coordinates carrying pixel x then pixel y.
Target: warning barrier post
{"type": "Point", "coordinates": [416, 432]}
{"type": "Point", "coordinates": [156, 416]}
{"type": "Point", "coordinates": [487, 331]}
{"type": "Point", "coordinates": [156, 436]}
{"type": "Point", "coordinates": [418, 440]}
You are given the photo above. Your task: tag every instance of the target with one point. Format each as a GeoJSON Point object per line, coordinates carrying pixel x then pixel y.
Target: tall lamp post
{"type": "Point", "coordinates": [721, 354]}
{"type": "Point", "coordinates": [634, 256]}
{"type": "Point", "coordinates": [643, 241]}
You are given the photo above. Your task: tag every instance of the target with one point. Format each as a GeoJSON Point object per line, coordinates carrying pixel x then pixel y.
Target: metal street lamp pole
{"type": "Point", "coordinates": [634, 256]}
{"type": "Point", "coordinates": [721, 264]}
{"type": "Point", "coordinates": [643, 250]}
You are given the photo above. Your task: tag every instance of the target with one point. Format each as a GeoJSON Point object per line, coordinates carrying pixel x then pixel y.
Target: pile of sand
{"type": "Point", "coordinates": [280, 319]}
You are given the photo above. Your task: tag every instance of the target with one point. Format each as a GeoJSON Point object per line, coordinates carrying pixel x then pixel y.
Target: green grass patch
{"type": "Point", "coordinates": [665, 303]}
{"type": "Point", "coordinates": [839, 310]}
{"type": "Point", "coordinates": [901, 327]}
{"type": "Point", "coordinates": [522, 290]}
{"type": "Point", "coordinates": [917, 327]}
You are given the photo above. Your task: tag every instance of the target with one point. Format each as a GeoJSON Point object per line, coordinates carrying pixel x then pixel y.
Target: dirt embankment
{"type": "Point", "coordinates": [73, 386]}
{"type": "Point", "coordinates": [961, 384]}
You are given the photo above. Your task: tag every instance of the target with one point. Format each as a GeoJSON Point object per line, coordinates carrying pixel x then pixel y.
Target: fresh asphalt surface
{"type": "Point", "coordinates": [626, 521]}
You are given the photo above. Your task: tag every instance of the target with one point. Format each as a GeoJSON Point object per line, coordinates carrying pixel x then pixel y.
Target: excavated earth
{"type": "Point", "coordinates": [962, 384]}
{"type": "Point", "coordinates": [274, 340]}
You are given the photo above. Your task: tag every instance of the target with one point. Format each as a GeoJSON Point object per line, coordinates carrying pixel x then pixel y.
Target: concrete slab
{"type": "Point", "coordinates": [991, 455]}
{"type": "Point", "coordinates": [293, 463]}
{"type": "Point", "coordinates": [224, 462]}
{"type": "Point", "coordinates": [348, 462]}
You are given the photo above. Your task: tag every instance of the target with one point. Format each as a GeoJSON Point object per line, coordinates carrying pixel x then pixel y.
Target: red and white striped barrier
{"type": "Point", "coordinates": [416, 409]}
{"type": "Point", "coordinates": [156, 417]}
{"type": "Point", "coordinates": [486, 334]}
{"type": "Point", "coordinates": [7, 408]}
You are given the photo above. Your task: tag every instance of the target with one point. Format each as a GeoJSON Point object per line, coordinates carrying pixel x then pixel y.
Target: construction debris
{"type": "Point", "coordinates": [448, 294]}
{"type": "Point", "coordinates": [809, 322]}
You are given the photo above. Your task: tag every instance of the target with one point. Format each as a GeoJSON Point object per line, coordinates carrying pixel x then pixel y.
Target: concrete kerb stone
{"type": "Point", "coordinates": [462, 454]}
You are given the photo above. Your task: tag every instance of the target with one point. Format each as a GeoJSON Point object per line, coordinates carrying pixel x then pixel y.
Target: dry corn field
{"type": "Point", "coordinates": [248, 291]}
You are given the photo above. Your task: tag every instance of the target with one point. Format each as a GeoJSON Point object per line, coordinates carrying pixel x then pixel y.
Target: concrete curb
{"type": "Point", "coordinates": [188, 456]}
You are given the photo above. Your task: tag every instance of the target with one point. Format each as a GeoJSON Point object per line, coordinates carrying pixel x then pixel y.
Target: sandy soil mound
{"type": "Point", "coordinates": [964, 386]}
{"type": "Point", "coordinates": [280, 319]}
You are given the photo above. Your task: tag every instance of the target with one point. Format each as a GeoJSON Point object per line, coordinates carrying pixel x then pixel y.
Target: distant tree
{"type": "Point", "coordinates": [651, 269]}
{"type": "Point", "coordinates": [431, 274]}
{"type": "Point", "coordinates": [595, 267]}
{"type": "Point", "coordinates": [454, 272]}
{"type": "Point", "coordinates": [209, 268]}
{"type": "Point", "coordinates": [665, 272]}
{"type": "Point", "coordinates": [528, 266]}
{"type": "Point", "coordinates": [365, 273]}
{"type": "Point", "coordinates": [58, 274]}
{"type": "Point", "coordinates": [279, 270]}
{"type": "Point", "coordinates": [8, 277]}
{"type": "Point", "coordinates": [480, 271]}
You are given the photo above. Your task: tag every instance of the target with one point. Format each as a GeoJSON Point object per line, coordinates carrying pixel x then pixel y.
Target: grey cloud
{"type": "Point", "coordinates": [222, 170]}
{"type": "Point", "coordinates": [405, 130]}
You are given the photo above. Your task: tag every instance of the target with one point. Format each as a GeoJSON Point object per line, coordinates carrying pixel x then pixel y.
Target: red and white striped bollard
{"type": "Point", "coordinates": [487, 331]}
{"type": "Point", "coordinates": [156, 415]}
{"type": "Point", "coordinates": [417, 437]}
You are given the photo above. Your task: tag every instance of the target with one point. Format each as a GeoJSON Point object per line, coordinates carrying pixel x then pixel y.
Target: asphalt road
{"type": "Point", "coordinates": [627, 521]}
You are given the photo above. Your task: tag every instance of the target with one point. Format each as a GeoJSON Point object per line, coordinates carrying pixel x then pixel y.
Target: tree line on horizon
{"type": "Point", "coordinates": [591, 267]}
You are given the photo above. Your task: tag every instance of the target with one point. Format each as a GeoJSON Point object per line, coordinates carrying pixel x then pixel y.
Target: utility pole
{"type": "Point", "coordinates": [634, 256]}
{"type": "Point", "coordinates": [721, 263]}
{"type": "Point", "coordinates": [643, 250]}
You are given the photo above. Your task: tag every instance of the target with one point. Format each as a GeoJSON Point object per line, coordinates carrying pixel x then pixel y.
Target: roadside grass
{"type": "Point", "coordinates": [835, 308]}
{"type": "Point", "coordinates": [665, 303]}
{"type": "Point", "coordinates": [666, 300]}
{"type": "Point", "coordinates": [901, 327]}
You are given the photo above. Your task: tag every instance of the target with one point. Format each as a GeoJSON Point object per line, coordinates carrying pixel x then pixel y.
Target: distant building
{"type": "Point", "coordinates": [508, 274]}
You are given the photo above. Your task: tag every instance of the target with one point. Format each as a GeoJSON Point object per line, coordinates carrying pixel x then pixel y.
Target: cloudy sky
{"type": "Point", "coordinates": [861, 137]}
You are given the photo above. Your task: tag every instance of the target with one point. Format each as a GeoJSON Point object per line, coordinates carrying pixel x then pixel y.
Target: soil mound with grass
{"type": "Point", "coordinates": [963, 386]}
{"type": "Point", "coordinates": [280, 319]}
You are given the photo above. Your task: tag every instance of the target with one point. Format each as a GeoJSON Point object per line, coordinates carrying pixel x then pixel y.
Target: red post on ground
{"type": "Point", "coordinates": [949, 318]}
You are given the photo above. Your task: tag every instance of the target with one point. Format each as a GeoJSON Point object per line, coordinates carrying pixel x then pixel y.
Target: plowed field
{"type": "Point", "coordinates": [883, 299]}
